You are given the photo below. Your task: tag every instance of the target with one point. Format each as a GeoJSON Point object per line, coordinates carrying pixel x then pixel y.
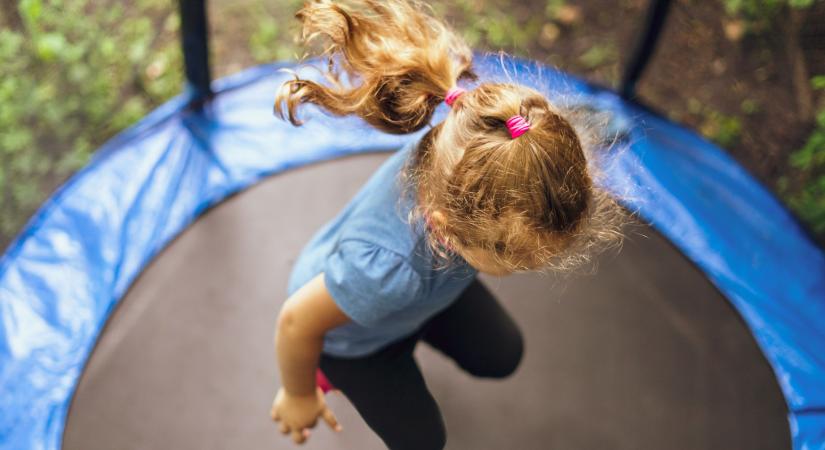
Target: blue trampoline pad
{"type": "Point", "coordinates": [61, 279]}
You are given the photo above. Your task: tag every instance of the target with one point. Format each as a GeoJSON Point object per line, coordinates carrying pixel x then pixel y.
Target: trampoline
{"type": "Point", "coordinates": [138, 305]}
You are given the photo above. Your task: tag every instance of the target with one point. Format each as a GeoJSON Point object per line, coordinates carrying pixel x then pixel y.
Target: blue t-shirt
{"type": "Point", "coordinates": [377, 267]}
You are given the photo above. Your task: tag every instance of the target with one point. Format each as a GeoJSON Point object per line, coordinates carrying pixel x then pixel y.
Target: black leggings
{"type": "Point", "coordinates": [387, 389]}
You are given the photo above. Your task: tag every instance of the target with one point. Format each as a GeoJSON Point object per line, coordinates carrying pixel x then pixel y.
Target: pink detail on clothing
{"type": "Point", "coordinates": [322, 381]}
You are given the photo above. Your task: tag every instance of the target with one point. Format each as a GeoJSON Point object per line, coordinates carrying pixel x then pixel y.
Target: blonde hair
{"type": "Point", "coordinates": [529, 203]}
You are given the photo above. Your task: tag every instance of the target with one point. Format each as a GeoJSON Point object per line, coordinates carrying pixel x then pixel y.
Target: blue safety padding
{"type": "Point", "coordinates": [62, 277]}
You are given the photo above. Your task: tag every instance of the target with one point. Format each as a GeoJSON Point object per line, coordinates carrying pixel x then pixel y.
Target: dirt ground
{"type": "Point", "coordinates": [752, 79]}
{"type": "Point", "coordinates": [702, 78]}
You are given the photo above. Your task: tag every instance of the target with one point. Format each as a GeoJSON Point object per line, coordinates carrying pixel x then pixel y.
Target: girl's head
{"type": "Point", "coordinates": [504, 204]}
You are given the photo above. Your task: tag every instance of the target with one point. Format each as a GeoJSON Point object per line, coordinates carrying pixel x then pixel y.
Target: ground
{"type": "Point", "coordinates": [741, 80]}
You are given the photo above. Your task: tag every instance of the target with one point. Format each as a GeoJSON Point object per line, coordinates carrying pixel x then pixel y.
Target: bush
{"type": "Point", "coordinates": [72, 75]}
{"type": "Point", "coordinates": [807, 198]}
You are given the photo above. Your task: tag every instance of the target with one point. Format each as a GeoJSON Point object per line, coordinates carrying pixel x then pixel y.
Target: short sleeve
{"type": "Point", "coordinates": [369, 282]}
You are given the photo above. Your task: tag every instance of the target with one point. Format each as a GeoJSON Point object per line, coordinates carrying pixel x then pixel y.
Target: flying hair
{"type": "Point", "coordinates": [401, 60]}
{"type": "Point", "coordinates": [525, 200]}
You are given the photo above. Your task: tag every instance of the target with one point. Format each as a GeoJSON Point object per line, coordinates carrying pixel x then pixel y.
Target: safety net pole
{"type": "Point", "coordinates": [645, 45]}
{"type": "Point", "coordinates": [195, 42]}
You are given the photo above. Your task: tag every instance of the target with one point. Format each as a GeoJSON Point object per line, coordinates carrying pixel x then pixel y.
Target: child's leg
{"type": "Point", "coordinates": [477, 333]}
{"type": "Point", "coordinates": [389, 392]}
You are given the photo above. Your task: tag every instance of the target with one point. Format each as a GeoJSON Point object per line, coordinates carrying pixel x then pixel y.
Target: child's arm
{"type": "Point", "coordinates": [304, 319]}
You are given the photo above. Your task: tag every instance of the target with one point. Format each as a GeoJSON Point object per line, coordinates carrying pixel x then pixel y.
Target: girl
{"type": "Point", "coordinates": [502, 185]}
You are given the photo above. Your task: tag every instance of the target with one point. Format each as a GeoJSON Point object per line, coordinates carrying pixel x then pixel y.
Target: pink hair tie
{"type": "Point", "coordinates": [517, 126]}
{"type": "Point", "coordinates": [453, 94]}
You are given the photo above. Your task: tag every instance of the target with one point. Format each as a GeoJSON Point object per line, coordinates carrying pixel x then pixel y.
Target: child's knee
{"type": "Point", "coordinates": [500, 363]}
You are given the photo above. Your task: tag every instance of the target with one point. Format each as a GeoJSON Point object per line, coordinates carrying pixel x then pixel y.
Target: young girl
{"type": "Point", "coordinates": [502, 185]}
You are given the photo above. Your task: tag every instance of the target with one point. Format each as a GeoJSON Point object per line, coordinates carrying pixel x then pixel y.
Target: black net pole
{"type": "Point", "coordinates": [195, 41]}
{"type": "Point", "coordinates": [654, 22]}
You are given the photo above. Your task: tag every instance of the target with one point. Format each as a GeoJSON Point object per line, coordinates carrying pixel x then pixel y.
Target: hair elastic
{"type": "Point", "coordinates": [452, 94]}
{"type": "Point", "coordinates": [517, 126]}
{"type": "Point", "coordinates": [431, 229]}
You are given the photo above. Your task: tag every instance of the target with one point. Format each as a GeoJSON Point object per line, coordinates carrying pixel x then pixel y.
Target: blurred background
{"type": "Point", "coordinates": [747, 74]}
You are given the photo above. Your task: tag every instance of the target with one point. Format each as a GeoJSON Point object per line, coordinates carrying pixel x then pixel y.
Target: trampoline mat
{"type": "Point", "coordinates": [645, 354]}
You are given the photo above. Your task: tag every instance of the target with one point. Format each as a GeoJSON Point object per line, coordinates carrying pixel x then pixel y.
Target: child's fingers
{"type": "Point", "coordinates": [274, 414]}
{"type": "Point", "coordinates": [284, 428]}
{"type": "Point", "coordinates": [298, 436]}
{"type": "Point", "coordinates": [330, 419]}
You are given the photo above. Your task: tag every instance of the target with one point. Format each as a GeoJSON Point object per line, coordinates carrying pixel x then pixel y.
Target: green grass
{"type": "Point", "coordinates": [807, 195]}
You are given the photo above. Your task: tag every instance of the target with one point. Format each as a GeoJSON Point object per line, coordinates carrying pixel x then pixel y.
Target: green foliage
{"type": "Point", "coordinates": [552, 7]}
{"type": "Point", "coordinates": [750, 106]}
{"type": "Point", "coordinates": [599, 55]}
{"type": "Point", "coordinates": [260, 42]}
{"type": "Point", "coordinates": [757, 14]}
{"type": "Point", "coordinates": [757, 9]}
{"type": "Point", "coordinates": [723, 129]}
{"type": "Point", "coordinates": [272, 36]}
{"type": "Point", "coordinates": [76, 73]}
{"type": "Point", "coordinates": [494, 24]}
{"type": "Point", "coordinates": [807, 199]}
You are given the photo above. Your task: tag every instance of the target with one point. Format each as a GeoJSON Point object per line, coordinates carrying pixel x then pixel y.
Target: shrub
{"type": "Point", "coordinates": [807, 197]}
{"type": "Point", "coordinates": [72, 75]}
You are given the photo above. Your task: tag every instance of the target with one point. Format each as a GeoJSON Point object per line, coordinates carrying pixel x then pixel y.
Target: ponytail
{"type": "Point", "coordinates": [397, 60]}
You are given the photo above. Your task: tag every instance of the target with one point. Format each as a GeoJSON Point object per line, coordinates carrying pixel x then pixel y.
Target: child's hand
{"type": "Point", "coordinates": [297, 414]}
